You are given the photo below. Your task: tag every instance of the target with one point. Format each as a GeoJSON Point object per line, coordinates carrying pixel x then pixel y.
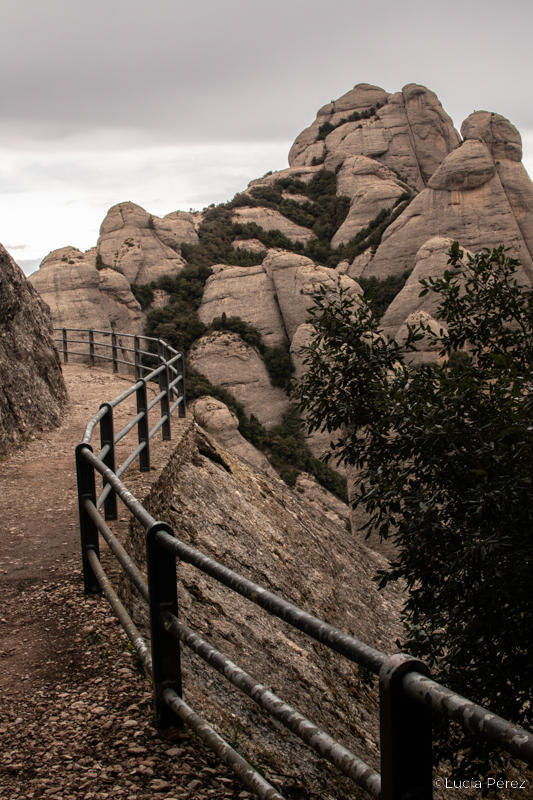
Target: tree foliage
{"type": "Point", "coordinates": [444, 455]}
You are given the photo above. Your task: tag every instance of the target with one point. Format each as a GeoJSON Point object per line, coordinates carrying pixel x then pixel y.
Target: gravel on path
{"type": "Point", "coordinates": [76, 715]}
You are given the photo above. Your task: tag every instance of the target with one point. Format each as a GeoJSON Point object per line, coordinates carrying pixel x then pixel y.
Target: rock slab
{"type": "Point", "coordinates": [32, 390]}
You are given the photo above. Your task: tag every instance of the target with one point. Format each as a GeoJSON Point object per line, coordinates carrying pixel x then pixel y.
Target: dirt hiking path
{"type": "Point", "coordinates": [75, 709]}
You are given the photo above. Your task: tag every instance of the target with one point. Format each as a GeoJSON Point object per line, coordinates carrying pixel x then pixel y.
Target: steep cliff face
{"type": "Point", "coordinates": [32, 391]}
{"type": "Point", "coordinates": [378, 184]}
{"type": "Point", "coordinates": [131, 241]}
{"type": "Point", "coordinates": [81, 296]}
{"type": "Point", "coordinates": [256, 526]}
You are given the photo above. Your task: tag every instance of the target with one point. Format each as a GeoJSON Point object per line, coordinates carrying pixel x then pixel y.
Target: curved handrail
{"type": "Point", "coordinates": [407, 693]}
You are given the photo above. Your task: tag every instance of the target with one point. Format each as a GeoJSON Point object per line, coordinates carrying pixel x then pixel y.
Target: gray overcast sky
{"type": "Point", "coordinates": [177, 104]}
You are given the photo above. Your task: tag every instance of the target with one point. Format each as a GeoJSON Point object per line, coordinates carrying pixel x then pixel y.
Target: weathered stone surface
{"type": "Point", "coordinates": [501, 135]}
{"type": "Point", "coordinates": [246, 292]}
{"type": "Point", "coordinates": [431, 262]}
{"type": "Point", "coordinates": [229, 362]}
{"type": "Point", "coordinates": [32, 390]}
{"type": "Point", "coordinates": [505, 144]}
{"type": "Point", "coordinates": [253, 245]}
{"type": "Point", "coordinates": [519, 190]}
{"type": "Point", "coordinates": [431, 128]}
{"type": "Point", "coordinates": [260, 528]}
{"type": "Point", "coordinates": [269, 219]}
{"type": "Point", "coordinates": [217, 419]}
{"type": "Point", "coordinates": [478, 217]}
{"type": "Point", "coordinates": [356, 171]}
{"type": "Point", "coordinates": [410, 133]}
{"type": "Point", "coordinates": [367, 202]}
{"type": "Point", "coordinates": [176, 228]}
{"type": "Point", "coordinates": [274, 297]}
{"type": "Point", "coordinates": [468, 166]}
{"type": "Point", "coordinates": [315, 494]}
{"type": "Point", "coordinates": [296, 279]}
{"type": "Point", "coordinates": [129, 242]}
{"type": "Point", "coordinates": [80, 296]}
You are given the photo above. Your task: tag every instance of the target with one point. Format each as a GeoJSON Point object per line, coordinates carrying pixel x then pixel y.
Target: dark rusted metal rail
{"type": "Point", "coordinates": [407, 693]}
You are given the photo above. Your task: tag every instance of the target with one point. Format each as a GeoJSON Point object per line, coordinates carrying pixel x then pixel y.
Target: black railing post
{"type": "Point", "coordinates": [114, 353]}
{"type": "Point", "coordinates": [107, 437]}
{"type": "Point", "coordinates": [164, 382]}
{"type": "Point", "coordinates": [65, 345]}
{"type": "Point", "coordinates": [180, 372]}
{"type": "Point", "coordinates": [143, 430]}
{"type": "Point", "coordinates": [405, 730]}
{"type": "Point", "coordinates": [91, 345]}
{"type": "Point", "coordinates": [166, 669]}
{"type": "Point", "coordinates": [137, 356]}
{"type": "Point", "coordinates": [88, 530]}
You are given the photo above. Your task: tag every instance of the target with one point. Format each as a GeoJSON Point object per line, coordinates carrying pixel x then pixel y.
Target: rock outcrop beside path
{"type": "Point", "coordinates": [32, 390]}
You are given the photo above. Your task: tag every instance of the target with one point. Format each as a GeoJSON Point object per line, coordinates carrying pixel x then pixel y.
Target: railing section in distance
{"type": "Point", "coordinates": [407, 693]}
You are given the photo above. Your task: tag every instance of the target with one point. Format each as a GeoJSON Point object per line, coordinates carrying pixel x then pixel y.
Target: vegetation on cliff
{"type": "Point", "coordinates": [445, 460]}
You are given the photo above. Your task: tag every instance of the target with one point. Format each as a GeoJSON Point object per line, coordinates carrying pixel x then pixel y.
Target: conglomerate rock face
{"type": "Point", "coordinates": [81, 296]}
{"type": "Point", "coordinates": [32, 390]}
{"type": "Point", "coordinates": [274, 297]}
{"type": "Point", "coordinates": [227, 361]}
{"type": "Point", "coordinates": [129, 241]}
{"type": "Point", "coordinates": [409, 131]}
{"type": "Point", "coordinates": [298, 548]}
{"type": "Point", "coordinates": [398, 159]}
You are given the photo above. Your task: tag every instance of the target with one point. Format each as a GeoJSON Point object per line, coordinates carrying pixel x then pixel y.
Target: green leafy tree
{"type": "Point", "coordinates": [444, 458]}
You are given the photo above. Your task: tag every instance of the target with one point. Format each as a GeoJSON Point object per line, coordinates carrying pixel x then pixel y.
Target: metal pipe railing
{"type": "Point", "coordinates": [407, 693]}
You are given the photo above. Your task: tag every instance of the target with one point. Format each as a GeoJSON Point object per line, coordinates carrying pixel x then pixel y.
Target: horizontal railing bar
{"type": "Point", "coordinates": [131, 424]}
{"type": "Point", "coordinates": [308, 732]}
{"type": "Point", "coordinates": [77, 341]}
{"type": "Point", "coordinates": [78, 353]}
{"type": "Point", "coordinates": [156, 400]}
{"type": "Point", "coordinates": [104, 451]}
{"type": "Point", "coordinates": [172, 360]}
{"type": "Point", "coordinates": [131, 502]}
{"type": "Point", "coordinates": [130, 567]}
{"type": "Point", "coordinates": [474, 718]}
{"type": "Point", "coordinates": [321, 631]}
{"type": "Point", "coordinates": [92, 424]}
{"type": "Point", "coordinates": [175, 381]}
{"type": "Point", "coordinates": [154, 372]}
{"type": "Point", "coordinates": [102, 496]}
{"type": "Point", "coordinates": [174, 405]}
{"type": "Point", "coordinates": [247, 774]}
{"type": "Point", "coordinates": [125, 395]}
{"type": "Point", "coordinates": [157, 426]}
{"type": "Point", "coordinates": [124, 618]}
{"type": "Point", "coordinates": [110, 333]}
{"type": "Point", "coordinates": [125, 464]}
{"type": "Point", "coordinates": [118, 360]}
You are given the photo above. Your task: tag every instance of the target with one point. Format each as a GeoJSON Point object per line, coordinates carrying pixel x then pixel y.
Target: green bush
{"type": "Point", "coordinates": [143, 293]}
{"type": "Point", "coordinates": [247, 332]}
{"type": "Point", "coordinates": [284, 445]}
{"type": "Point", "coordinates": [380, 294]}
{"type": "Point", "coordinates": [279, 364]}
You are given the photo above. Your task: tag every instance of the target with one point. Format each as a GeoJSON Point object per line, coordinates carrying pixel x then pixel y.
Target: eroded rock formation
{"type": "Point", "coordinates": [227, 361]}
{"type": "Point", "coordinates": [258, 527]}
{"type": "Point", "coordinates": [81, 296]}
{"type": "Point", "coordinates": [32, 391]}
{"type": "Point", "coordinates": [132, 242]}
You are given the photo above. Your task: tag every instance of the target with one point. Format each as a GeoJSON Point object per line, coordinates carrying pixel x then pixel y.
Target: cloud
{"type": "Point", "coordinates": [51, 200]}
{"type": "Point", "coordinates": [176, 72]}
